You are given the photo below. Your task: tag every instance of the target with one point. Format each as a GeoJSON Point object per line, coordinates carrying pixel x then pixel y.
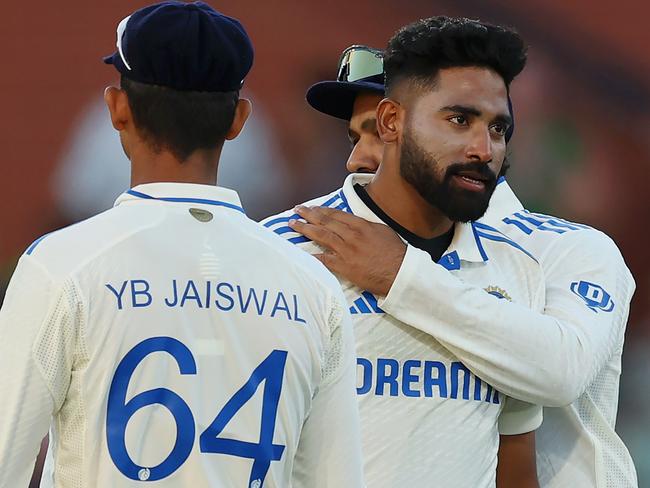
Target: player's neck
{"type": "Point", "coordinates": [404, 204]}
{"type": "Point", "coordinates": [154, 167]}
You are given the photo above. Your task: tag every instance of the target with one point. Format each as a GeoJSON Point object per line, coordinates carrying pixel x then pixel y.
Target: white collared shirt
{"type": "Point", "coordinates": [173, 339]}
{"type": "Point", "coordinates": [568, 358]}
{"type": "Point", "coordinates": [426, 420]}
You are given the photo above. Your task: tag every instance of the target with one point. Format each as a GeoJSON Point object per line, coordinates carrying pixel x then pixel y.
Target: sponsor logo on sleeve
{"type": "Point", "coordinates": [595, 296]}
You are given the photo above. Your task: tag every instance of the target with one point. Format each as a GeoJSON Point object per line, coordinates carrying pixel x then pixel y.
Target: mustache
{"type": "Point", "coordinates": [480, 169]}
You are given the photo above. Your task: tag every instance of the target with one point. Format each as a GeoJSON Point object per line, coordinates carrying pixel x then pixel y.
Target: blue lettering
{"type": "Point", "coordinates": [191, 288]}
{"type": "Point", "coordinates": [419, 378]}
{"type": "Point", "coordinates": [135, 293]}
{"type": "Point", "coordinates": [296, 316]}
{"type": "Point", "coordinates": [477, 388]}
{"type": "Point", "coordinates": [168, 302]}
{"type": "Point", "coordinates": [488, 393]}
{"type": "Point", "coordinates": [408, 378]}
{"type": "Point", "coordinates": [456, 367]}
{"type": "Point", "coordinates": [231, 304]}
{"type": "Point", "coordinates": [284, 307]}
{"type": "Point", "coordinates": [366, 374]}
{"type": "Point", "coordinates": [252, 294]}
{"type": "Point", "coordinates": [117, 294]}
{"type": "Point", "coordinates": [208, 291]}
{"type": "Point", "coordinates": [493, 397]}
{"type": "Point", "coordinates": [440, 380]}
{"type": "Point", "coordinates": [387, 378]}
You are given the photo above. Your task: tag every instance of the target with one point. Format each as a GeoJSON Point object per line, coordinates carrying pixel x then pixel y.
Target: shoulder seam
{"type": "Point", "coordinates": [277, 224]}
{"type": "Point", "coordinates": [105, 246]}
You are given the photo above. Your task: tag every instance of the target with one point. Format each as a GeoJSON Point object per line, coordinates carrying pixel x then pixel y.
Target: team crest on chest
{"type": "Point", "coordinates": [498, 292]}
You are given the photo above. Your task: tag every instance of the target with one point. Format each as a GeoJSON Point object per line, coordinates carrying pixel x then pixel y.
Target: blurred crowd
{"type": "Point", "coordinates": [582, 110]}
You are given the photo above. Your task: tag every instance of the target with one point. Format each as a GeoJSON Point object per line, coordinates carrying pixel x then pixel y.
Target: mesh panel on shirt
{"type": "Point", "coordinates": [334, 353]}
{"type": "Point", "coordinates": [597, 411]}
{"type": "Point", "coordinates": [61, 355]}
{"type": "Point", "coordinates": [71, 425]}
{"type": "Point", "coordinates": [53, 350]}
{"type": "Point", "coordinates": [598, 408]}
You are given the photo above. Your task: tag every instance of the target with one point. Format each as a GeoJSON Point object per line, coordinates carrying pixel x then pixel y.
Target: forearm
{"type": "Point", "coordinates": [525, 354]}
{"type": "Point", "coordinates": [517, 466]}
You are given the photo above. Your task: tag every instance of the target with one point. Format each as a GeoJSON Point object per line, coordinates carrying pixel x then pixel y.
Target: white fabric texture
{"type": "Point", "coordinates": [568, 358]}
{"type": "Point", "coordinates": [426, 419]}
{"type": "Point", "coordinates": [178, 274]}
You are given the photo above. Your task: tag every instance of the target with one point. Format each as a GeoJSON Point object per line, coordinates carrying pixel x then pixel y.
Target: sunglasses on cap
{"type": "Point", "coordinates": [358, 62]}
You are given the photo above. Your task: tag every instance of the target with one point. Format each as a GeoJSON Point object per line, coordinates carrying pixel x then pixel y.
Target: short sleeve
{"type": "Point", "coordinates": [519, 417]}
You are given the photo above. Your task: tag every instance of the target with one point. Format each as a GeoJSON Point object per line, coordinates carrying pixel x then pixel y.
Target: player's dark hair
{"type": "Point", "coordinates": [419, 50]}
{"type": "Point", "coordinates": [181, 122]}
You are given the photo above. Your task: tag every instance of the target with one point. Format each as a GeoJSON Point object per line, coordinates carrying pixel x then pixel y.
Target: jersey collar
{"type": "Point", "coordinates": [183, 193]}
{"type": "Point", "coordinates": [503, 203]}
{"type": "Point", "coordinates": [465, 246]}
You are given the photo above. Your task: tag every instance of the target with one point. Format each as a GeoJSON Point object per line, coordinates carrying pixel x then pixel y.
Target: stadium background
{"type": "Point", "coordinates": [580, 148]}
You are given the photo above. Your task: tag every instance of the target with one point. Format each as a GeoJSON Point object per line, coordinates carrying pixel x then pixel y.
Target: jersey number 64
{"type": "Point", "coordinates": [270, 371]}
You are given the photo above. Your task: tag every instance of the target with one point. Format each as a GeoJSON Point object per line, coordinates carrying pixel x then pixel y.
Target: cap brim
{"type": "Point", "coordinates": [116, 61]}
{"type": "Point", "coordinates": [336, 98]}
{"type": "Point", "coordinates": [109, 59]}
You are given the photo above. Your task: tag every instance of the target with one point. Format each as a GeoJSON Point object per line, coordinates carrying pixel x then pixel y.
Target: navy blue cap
{"type": "Point", "coordinates": [336, 98]}
{"type": "Point", "coordinates": [184, 46]}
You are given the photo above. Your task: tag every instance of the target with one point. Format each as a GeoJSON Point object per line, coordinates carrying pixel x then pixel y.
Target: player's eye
{"type": "Point", "coordinates": [353, 142]}
{"type": "Point", "coordinates": [499, 129]}
{"type": "Point", "coordinates": [458, 120]}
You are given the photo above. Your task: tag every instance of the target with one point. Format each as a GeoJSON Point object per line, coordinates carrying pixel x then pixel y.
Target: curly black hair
{"type": "Point", "coordinates": [419, 50]}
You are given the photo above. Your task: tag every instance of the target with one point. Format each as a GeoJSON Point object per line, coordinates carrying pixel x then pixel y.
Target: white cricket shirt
{"type": "Point", "coordinates": [426, 420]}
{"type": "Point", "coordinates": [568, 358]}
{"type": "Point", "coordinates": [173, 340]}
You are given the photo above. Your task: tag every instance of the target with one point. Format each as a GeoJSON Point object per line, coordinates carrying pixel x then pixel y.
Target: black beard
{"type": "Point", "coordinates": [421, 171]}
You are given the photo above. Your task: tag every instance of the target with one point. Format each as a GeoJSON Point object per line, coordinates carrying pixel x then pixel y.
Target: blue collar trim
{"type": "Point", "coordinates": [216, 203]}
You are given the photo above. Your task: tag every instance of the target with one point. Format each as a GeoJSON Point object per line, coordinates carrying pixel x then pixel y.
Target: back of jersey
{"type": "Point", "coordinates": [200, 348]}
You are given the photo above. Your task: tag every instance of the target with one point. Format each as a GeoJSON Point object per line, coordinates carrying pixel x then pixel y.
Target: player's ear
{"type": "Point", "coordinates": [242, 112]}
{"type": "Point", "coordinates": [389, 120]}
{"type": "Point", "coordinates": [118, 107]}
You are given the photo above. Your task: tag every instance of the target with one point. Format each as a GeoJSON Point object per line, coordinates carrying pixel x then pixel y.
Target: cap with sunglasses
{"type": "Point", "coordinates": [361, 69]}
{"type": "Point", "coordinates": [184, 46]}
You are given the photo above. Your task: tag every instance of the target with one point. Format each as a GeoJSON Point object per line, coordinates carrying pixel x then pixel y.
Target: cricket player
{"type": "Point", "coordinates": [171, 339]}
{"type": "Point", "coordinates": [568, 358]}
{"type": "Point", "coordinates": [426, 419]}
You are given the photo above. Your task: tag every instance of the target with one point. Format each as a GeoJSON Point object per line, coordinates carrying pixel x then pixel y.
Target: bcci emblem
{"type": "Point", "coordinates": [498, 292]}
{"type": "Point", "coordinates": [594, 296]}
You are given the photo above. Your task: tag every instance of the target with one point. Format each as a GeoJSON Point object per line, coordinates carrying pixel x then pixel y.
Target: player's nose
{"type": "Point", "coordinates": [365, 157]}
{"type": "Point", "coordinates": [479, 147]}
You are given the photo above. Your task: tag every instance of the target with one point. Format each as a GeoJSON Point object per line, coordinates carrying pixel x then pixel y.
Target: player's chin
{"type": "Point", "coordinates": [468, 206]}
